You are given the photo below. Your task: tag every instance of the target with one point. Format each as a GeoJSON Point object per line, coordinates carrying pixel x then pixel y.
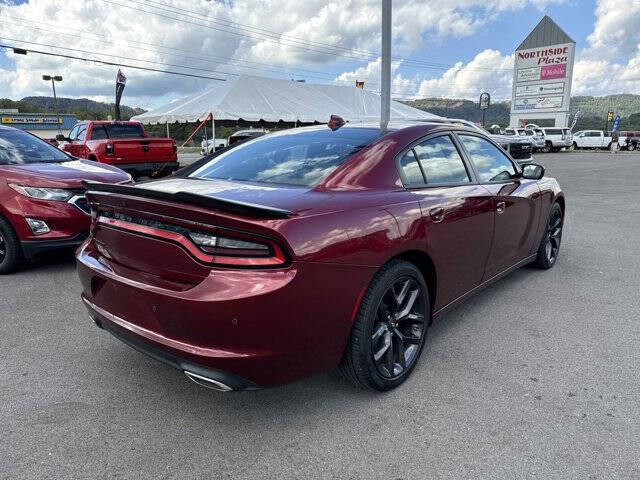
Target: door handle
{"type": "Point", "coordinates": [436, 214]}
{"type": "Point", "coordinates": [500, 206]}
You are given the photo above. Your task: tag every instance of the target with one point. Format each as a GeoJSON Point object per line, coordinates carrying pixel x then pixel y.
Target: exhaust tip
{"type": "Point", "coordinates": [207, 382]}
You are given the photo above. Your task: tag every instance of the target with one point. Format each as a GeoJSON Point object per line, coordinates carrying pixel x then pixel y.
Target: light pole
{"type": "Point", "coordinates": [54, 79]}
{"type": "Point", "coordinates": [385, 66]}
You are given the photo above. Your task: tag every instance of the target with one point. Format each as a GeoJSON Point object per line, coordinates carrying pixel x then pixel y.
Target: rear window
{"type": "Point", "coordinates": [293, 157]}
{"type": "Point", "coordinates": [124, 131]}
{"type": "Point", "coordinates": [553, 131]}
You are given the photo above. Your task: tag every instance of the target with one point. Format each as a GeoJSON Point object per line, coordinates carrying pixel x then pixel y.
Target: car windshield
{"type": "Point", "coordinates": [19, 148]}
{"type": "Point", "coordinates": [294, 157]}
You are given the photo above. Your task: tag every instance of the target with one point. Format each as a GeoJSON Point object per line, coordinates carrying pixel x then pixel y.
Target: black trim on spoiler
{"type": "Point", "coordinates": [234, 206]}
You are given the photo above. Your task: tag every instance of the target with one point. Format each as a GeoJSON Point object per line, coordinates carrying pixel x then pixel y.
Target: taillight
{"type": "Point", "coordinates": [108, 149]}
{"type": "Point", "coordinates": [218, 247]}
{"type": "Point", "coordinates": [244, 251]}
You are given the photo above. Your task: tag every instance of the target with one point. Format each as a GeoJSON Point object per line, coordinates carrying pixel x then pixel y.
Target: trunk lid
{"type": "Point", "coordinates": [146, 232]}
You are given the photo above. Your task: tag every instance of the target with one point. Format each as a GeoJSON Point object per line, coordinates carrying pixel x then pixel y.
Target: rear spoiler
{"type": "Point", "coordinates": [217, 203]}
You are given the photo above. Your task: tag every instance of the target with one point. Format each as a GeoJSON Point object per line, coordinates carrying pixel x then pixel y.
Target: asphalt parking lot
{"type": "Point", "coordinates": [536, 377]}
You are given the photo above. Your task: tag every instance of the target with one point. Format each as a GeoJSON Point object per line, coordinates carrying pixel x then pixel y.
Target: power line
{"type": "Point", "coordinates": [237, 63]}
{"type": "Point", "coordinates": [103, 62]}
{"type": "Point", "coordinates": [230, 62]}
{"type": "Point", "coordinates": [373, 55]}
{"type": "Point", "coordinates": [325, 50]}
{"type": "Point", "coordinates": [116, 56]}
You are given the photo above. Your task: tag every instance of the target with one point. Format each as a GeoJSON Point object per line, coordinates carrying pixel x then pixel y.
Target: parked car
{"type": "Point", "coordinates": [629, 140]}
{"type": "Point", "coordinates": [311, 248]}
{"type": "Point", "coordinates": [536, 138]}
{"type": "Point", "coordinates": [556, 139]}
{"type": "Point", "coordinates": [124, 145]}
{"type": "Point", "coordinates": [211, 145]}
{"type": "Point", "coordinates": [520, 148]}
{"type": "Point", "coordinates": [594, 139]}
{"type": "Point", "coordinates": [42, 204]}
{"type": "Point", "coordinates": [245, 135]}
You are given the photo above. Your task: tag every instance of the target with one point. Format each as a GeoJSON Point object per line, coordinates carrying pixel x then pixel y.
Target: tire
{"type": "Point", "coordinates": [631, 147]}
{"type": "Point", "coordinates": [366, 362]}
{"type": "Point", "coordinates": [573, 147]}
{"type": "Point", "coordinates": [547, 148]}
{"type": "Point", "coordinates": [10, 250]}
{"type": "Point", "coordinates": [550, 244]}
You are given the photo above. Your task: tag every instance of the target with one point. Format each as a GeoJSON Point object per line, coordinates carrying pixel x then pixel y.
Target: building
{"type": "Point", "coordinates": [41, 124]}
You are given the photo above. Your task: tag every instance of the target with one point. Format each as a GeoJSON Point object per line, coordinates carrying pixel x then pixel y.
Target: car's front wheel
{"type": "Point", "coordinates": [10, 250]}
{"type": "Point", "coordinates": [547, 148]}
{"type": "Point", "coordinates": [550, 245]}
{"type": "Point", "coordinates": [389, 330]}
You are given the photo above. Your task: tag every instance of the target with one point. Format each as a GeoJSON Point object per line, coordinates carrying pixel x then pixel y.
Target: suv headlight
{"type": "Point", "coordinates": [55, 194]}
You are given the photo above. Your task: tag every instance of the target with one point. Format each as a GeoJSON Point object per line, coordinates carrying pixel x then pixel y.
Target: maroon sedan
{"type": "Point", "coordinates": [308, 249]}
{"type": "Point", "coordinates": [42, 204]}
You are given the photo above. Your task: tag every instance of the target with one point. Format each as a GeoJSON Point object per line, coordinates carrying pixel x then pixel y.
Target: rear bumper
{"type": "Point", "coordinates": [252, 328]}
{"type": "Point", "coordinates": [149, 167]}
{"type": "Point", "coordinates": [122, 330]}
{"type": "Point", "coordinates": [33, 248]}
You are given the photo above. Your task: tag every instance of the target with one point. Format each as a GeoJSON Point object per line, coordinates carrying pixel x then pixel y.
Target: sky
{"type": "Point", "coordinates": [445, 48]}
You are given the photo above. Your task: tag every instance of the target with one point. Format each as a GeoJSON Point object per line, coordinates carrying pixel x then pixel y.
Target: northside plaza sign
{"type": "Point", "coordinates": [542, 74]}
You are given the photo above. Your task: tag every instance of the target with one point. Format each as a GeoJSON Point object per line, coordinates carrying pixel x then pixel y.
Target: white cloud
{"type": "Point", "coordinates": [610, 62]}
{"type": "Point", "coordinates": [488, 71]}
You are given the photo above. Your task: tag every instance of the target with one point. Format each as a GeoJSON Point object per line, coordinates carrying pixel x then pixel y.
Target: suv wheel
{"type": "Point", "coordinates": [10, 250]}
{"type": "Point", "coordinates": [547, 147]}
{"type": "Point", "coordinates": [389, 330]}
{"type": "Point", "coordinates": [631, 147]}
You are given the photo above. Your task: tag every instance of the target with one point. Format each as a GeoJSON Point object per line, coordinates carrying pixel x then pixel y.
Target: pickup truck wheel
{"type": "Point", "coordinates": [547, 147]}
{"type": "Point", "coordinates": [10, 250]}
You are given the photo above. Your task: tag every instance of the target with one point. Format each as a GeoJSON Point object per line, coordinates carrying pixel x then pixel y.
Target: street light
{"type": "Point", "coordinates": [54, 79]}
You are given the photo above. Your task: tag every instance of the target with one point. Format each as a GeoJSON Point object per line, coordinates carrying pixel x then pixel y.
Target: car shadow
{"type": "Point", "coordinates": [167, 390]}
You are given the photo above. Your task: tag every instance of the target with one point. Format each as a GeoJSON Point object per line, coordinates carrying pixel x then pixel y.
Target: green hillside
{"type": "Point", "coordinates": [593, 110]}
{"type": "Point", "coordinates": [82, 108]}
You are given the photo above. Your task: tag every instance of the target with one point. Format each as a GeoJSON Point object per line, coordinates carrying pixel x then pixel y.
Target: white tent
{"type": "Point", "coordinates": [259, 98]}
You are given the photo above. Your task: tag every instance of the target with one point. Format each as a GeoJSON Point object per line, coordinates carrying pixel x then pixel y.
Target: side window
{"type": "Point", "coordinates": [440, 161]}
{"type": "Point", "coordinates": [98, 133]}
{"type": "Point", "coordinates": [82, 131]}
{"type": "Point", "coordinates": [410, 169]}
{"type": "Point", "coordinates": [492, 165]}
{"type": "Point", "coordinates": [74, 132]}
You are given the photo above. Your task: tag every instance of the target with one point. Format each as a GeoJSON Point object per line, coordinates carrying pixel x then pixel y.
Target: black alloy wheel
{"type": "Point", "coordinates": [550, 245]}
{"type": "Point", "coordinates": [398, 331]}
{"type": "Point", "coordinates": [3, 249]}
{"type": "Point", "coordinates": [389, 330]}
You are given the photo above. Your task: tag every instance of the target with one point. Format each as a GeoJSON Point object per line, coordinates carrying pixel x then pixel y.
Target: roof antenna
{"type": "Point", "coordinates": [385, 66]}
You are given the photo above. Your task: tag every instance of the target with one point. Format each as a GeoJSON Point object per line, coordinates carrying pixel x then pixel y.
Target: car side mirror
{"type": "Point", "coordinates": [61, 138]}
{"type": "Point", "coordinates": [532, 171]}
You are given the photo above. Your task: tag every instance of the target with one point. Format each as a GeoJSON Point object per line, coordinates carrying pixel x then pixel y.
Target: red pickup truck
{"type": "Point", "coordinates": [124, 145]}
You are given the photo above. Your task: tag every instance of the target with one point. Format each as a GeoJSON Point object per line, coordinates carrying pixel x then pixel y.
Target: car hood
{"type": "Point", "coordinates": [286, 197]}
{"type": "Point", "coordinates": [62, 175]}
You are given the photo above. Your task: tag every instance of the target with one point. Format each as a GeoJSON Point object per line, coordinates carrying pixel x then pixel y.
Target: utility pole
{"type": "Point", "coordinates": [54, 79]}
{"type": "Point", "coordinates": [385, 66]}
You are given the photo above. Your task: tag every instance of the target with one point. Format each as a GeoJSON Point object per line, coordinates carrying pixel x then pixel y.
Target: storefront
{"type": "Point", "coordinates": [41, 124]}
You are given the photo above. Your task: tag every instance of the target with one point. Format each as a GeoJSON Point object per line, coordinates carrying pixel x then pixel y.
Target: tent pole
{"type": "Point", "coordinates": [385, 90]}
